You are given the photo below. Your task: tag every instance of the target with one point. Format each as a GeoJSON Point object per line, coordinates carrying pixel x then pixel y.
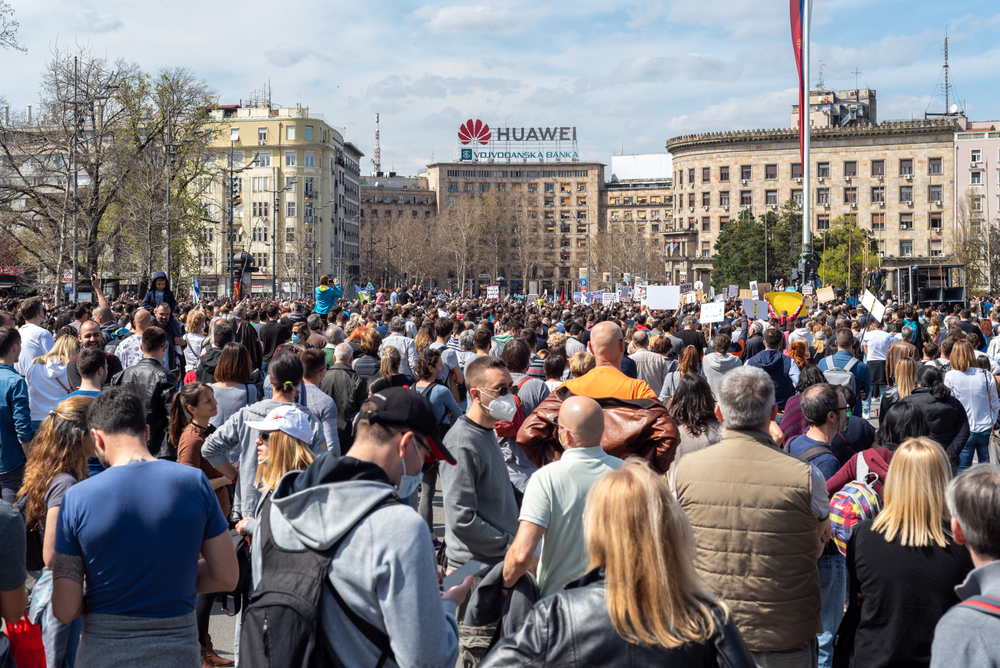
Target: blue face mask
{"type": "Point", "coordinates": [442, 374]}
{"type": "Point", "coordinates": [295, 338]}
{"type": "Point", "coordinates": [408, 484]}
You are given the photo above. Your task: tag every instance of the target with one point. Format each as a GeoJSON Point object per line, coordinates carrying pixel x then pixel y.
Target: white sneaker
{"type": "Point", "coordinates": [866, 415]}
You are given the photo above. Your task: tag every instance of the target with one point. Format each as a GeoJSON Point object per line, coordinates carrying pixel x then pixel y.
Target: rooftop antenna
{"type": "Point", "coordinates": [950, 108]}
{"type": "Point", "coordinates": [377, 158]}
{"type": "Point", "coordinates": [856, 73]}
{"type": "Point", "coordinates": [947, 106]}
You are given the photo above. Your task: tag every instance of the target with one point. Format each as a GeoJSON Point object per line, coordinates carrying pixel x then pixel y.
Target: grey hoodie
{"type": "Point", "coordinates": [384, 570]}
{"type": "Point", "coordinates": [236, 434]}
{"type": "Point", "coordinates": [715, 366]}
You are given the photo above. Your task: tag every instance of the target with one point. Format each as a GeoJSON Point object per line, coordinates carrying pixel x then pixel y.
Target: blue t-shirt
{"type": "Point", "coordinates": [827, 463]}
{"type": "Point", "coordinates": [80, 393]}
{"type": "Point", "coordinates": [139, 528]}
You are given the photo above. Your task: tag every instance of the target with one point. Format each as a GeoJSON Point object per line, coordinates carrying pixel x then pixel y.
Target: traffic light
{"type": "Point", "coordinates": [235, 191]}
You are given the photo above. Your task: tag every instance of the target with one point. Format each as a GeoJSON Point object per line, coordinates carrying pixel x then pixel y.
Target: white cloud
{"type": "Point", "coordinates": [286, 55]}
{"type": "Point", "coordinates": [89, 20]}
{"type": "Point", "coordinates": [432, 86]}
{"type": "Point", "coordinates": [477, 19]}
{"type": "Point", "coordinates": [765, 110]}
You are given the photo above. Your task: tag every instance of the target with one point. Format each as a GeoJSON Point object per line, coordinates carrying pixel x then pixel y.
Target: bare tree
{"type": "Point", "coordinates": [463, 220]}
{"type": "Point", "coordinates": [8, 29]}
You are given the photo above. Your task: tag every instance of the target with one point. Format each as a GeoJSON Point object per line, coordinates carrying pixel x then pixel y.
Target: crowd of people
{"type": "Point", "coordinates": [619, 486]}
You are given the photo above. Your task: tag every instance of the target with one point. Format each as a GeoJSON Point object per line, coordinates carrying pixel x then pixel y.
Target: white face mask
{"type": "Point", "coordinates": [502, 408]}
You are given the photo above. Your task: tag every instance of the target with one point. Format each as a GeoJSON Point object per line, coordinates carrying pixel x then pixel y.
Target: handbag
{"type": "Point", "coordinates": [26, 647]}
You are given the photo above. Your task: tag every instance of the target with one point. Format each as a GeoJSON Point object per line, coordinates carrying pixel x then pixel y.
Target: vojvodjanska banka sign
{"type": "Point", "coordinates": [478, 142]}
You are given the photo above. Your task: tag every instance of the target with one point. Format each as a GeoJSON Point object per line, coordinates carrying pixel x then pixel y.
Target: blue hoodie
{"type": "Point", "coordinates": [778, 366]}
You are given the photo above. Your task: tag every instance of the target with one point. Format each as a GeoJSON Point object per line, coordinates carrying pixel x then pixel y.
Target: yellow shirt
{"type": "Point", "coordinates": [604, 382]}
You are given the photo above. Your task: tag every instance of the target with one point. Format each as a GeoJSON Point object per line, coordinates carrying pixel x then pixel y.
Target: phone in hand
{"type": "Point", "coordinates": [473, 568]}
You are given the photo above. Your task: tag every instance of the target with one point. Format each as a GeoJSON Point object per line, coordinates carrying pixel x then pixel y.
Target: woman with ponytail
{"type": "Point", "coordinates": [58, 461]}
{"type": "Point", "coordinates": [948, 420]}
{"type": "Point", "coordinates": [190, 412]}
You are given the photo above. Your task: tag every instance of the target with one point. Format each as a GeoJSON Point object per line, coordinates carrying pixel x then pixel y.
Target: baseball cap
{"type": "Point", "coordinates": [288, 419]}
{"type": "Point", "coordinates": [407, 408]}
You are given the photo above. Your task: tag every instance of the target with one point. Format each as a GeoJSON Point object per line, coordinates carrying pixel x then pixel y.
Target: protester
{"type": "Point", "coordinates": [976, 390]}
{"type": "Point", "coordinates": [782, 370]}
{"type": "Point", "coordinates": [967, 634]}
{"type": "Point", "coordinates": [875, 344]}
{"type": "Point", "coordinates": [946, 415]}
{"type": "Point", "coordinates": [16, 428]}
{"type": "Point", "coordinates": [35, 340]}
{"type": "Point", "coordinates": [793, 422]}
{"type": "Point", "coordinates": [555, 369]}
{"type": "Point", "coordinates": [58, 461]}
{"type": "Point", "coordinates": [530, 393]}
{"type": "Point", "coordinates": [693, 410]}
{"type": "Point", "coordinates": [761, 520]}
{"type": "Point", "coordinates": [840, 360]}
{"type": "Point", "coordinates": [319, 403]}
{"type": "Point", "coordinates": [641, 601]}
{"type": "Point", "coordinates": [905, 377]}
{"type": "Point", "coordinates": [907, 542]}
{"type": "Point", "coordinates": [348, 391]}
{"type": "Point", "coordinates": [129, 351]}
{"type": "Point", "coordinates": [91, 337]}
{"type": "Point", "coordinates": [397, 339]}
{"type": "Point", "coordinates": [194, 338]}
{"type": "Point", "coordinates": [13, 595]}
{"type": "Point", "coordinates": [367, 365]}
{"type": "Point", "coordinates": [140, 559]}
{"type": "Point", "coordinates": [159, 292]}
{"type": "Point", "coordinates": [719, 362]}
{"type": "Point", "coordinates": [222, 335]}
{"type": "Point", "coordinates": [689, 364]}
{"type": "Point", "coordinates": [650, 367]}
{"type": "Point", "coordinates": [48, 382]}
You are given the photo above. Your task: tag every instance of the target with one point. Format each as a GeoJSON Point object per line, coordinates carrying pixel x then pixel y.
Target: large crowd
{"type": "Point", "coordinates": [620, 486]}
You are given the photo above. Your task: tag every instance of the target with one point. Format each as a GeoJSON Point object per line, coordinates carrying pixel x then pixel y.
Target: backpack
{"type": "Point", "coordinates": [855, 502]}
{"type": "Point", "coordinates": [915, 326]}
{"type": "Point", "coordinates": [283, 625]}
{"type": "Point", "coordinates": [508, 429]}
{"type": "Point", "coordinates": [115, 342]}
{"type": "Point", "coordinates": [842, 376]}
{"type": "Point", "coordinates": [988, 604]}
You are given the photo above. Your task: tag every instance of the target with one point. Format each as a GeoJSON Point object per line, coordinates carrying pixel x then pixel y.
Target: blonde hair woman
{"type": "Point", "coordinates": [48, 381]}
{"type": "Point", "coordinates": [907, 543]}
{"type": "Point", "coordinates": [906, 379]}
{"type": "Point", "coordinates": [641, 602]}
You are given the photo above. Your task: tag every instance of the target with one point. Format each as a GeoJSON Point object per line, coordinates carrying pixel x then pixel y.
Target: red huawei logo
{"type": "Point", "coordinates": [474, 130]}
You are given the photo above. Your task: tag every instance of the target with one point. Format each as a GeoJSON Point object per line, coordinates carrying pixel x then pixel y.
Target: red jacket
{"type": "Point", "coordinates": [878, 458]}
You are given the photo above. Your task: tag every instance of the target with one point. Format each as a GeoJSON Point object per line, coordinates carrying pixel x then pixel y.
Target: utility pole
{"type": "Point", "coordinates": [76, 127]}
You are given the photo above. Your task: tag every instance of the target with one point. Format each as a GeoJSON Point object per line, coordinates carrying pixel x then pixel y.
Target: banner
{"type": "Point", "coordinates": [493, 292]}
{"type": "Point", "coordinates": [608, 298]}
{"type": "Point", "coordinates": [800, 33]}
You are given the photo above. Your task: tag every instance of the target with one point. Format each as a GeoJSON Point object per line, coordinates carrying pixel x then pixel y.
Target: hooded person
{"type": "Point", "coordinates": [719, 362]}
{"type": "Point", "coordinates": [327, 295]}
{"type": "Point", "coordinates": [784, 372]}
{"type": "Point", "coordinates": [159, 291]}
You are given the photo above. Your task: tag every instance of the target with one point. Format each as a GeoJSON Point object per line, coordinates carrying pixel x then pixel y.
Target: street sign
{"type": "Point", "coordinates": [369, 286]}
{"type": "Point", "coordinates": [583, 273]}
{"type": "Point", "coordinates": [606, 277]}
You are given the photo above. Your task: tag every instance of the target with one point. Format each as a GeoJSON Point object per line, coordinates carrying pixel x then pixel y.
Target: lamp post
{"type": "Point", "coordinates": [289, 185]}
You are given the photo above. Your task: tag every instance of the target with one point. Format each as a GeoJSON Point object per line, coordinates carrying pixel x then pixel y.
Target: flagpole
{"type": "Point", "coordinates": [805, 129]}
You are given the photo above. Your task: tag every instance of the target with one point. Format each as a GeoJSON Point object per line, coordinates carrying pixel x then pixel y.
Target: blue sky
{"type": "Point", "coordinates": [628, 75]}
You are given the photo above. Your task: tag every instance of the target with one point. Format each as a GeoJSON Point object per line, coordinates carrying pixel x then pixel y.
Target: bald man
{"type": "Point", "coordinates": [606, 380]}
{"type": "Point", "coordinates": [129, 351]}
{"type": "Point", "coordinates": [554, 500]}
{"type": "Point", "coordinates": [91, 336]}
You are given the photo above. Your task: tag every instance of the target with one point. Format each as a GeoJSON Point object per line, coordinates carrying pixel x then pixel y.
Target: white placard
{"type": "Point", "coordinates": [660, 297]}
{"type": "Point", "coordinates": [755, 308]}
{"type": "Point", "coordinates": [690, 298]}
{"type": "Point", "coordinates": [868, 300]}
{"type": "Point", "coordinates": [712, 312]}
{"type": "Point", "coordinates": [753, 289]}
{"type": "Point", "coordinates": [720, 298]}
{"type": "Point", "coordinates": [493, 292]}
{"type": "Point", "coordinates": [878, 310]}
{"type": "Point", "coordinates": [608, 298]}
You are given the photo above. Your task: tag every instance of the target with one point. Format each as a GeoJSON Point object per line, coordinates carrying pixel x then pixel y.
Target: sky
{"type": "Point", "coordinates": [627, 75]}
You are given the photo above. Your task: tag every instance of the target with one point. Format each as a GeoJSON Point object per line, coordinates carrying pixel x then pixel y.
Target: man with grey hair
{"type": "Point", "coordinates": [407, 348]}
{"type": "Point", "coordinates": [691, 335]}
{"type": "Point", "coordinates": [649, 366]}
{"type": "Point", "coordinates": [969, 633]}
{"type": "Point", "coordinates": [761, 520]}
{"type": "Point", "coordinates": [347, 389]}
{"type": "Point", "coordinates": [315, 324]}
{"type": "Point", "coordinates": [334, 337]}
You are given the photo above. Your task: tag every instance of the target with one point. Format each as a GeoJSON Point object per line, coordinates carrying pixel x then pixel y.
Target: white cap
{"type": "Point", "coordinates": [288, 419]}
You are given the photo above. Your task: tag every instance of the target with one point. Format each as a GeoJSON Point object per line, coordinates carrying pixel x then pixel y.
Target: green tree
{"type": "Point", "coordinates": [758, 249]}
{"type": "Point", "coordinates": [845, 245]}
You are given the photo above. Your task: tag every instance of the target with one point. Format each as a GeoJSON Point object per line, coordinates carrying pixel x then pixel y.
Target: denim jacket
{"type": "Point", "coordinates": [15, 418]}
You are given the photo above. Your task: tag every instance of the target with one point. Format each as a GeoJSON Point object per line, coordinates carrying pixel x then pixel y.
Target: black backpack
{"type": "Point", "coordinates": [283, 625]}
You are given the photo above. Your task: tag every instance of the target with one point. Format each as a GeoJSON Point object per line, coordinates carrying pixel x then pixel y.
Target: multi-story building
{"type": "Point", "coordinates": [564, 195]}
{"type": "Point", "coordinates": [642, 211]}
{"type": "Point", "coordinates": [390, 197]}
{"type": "Point", "coordinates": [295, 200]}
{"type": "Point", "coordinates": [977, 168]}
{"type": "Point", "coordinates": [395, 210]}
{"type": "Point", "coordinates": [895, 178]}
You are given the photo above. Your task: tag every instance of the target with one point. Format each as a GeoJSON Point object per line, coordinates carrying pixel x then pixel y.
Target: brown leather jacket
{"type": "Point", "coordinates": [631, 427]}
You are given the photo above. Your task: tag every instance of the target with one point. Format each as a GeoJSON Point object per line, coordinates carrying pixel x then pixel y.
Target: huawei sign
{"type": "Point", "coordinates": [474, 131]}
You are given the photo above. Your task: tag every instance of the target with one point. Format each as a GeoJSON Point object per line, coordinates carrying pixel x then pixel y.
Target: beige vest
{"type": "Point", "coordinates": [750, 506]}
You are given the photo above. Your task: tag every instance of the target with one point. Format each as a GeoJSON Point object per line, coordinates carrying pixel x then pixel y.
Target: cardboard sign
{"type": "Point", "coordinates": [659, 297]}
{"type": "Point", "coordinates": [624, 293]}
{"type": "Point", "coordinates": [493, 292]}
{"type": "Point", "coordinates": [690, 298]}
{"type": "Point", "coordinates": [712, 312]}
{"type": "Point", "coordinates": [807, 290]}
{"type": "Point", "coordinates": [699, 296]}
{"type": "Point", "coordinates": [826, 295]}
{"type": "Point", "coordinates": [734, 291]}
{"type": "Point", "coordinates": [868, 300]}
{"type": "Point", "coordinates": [755, 308]}
{"type": "Point", "coordinates": [720, 298]}
{"type": "Point", "coordinates": [577, 296]}
{"type": "Point", "coordinates": [753, 290]}
{"type": "Point", "coordinates": [878, 310]}
{"type": "Point", "coordinates": [747, 294]}
{"type": "Point", "coordinates": [763, 289]}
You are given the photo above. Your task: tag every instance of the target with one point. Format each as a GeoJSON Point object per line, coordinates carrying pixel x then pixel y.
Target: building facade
{"type": "Point", "coordinates": [290, 182]}
{"type": "Point", "coordinates": [564, 200]}
{"type": "Point", "coordinates": [977, 168]}
{"type": "Point", "coordinates": [642, 211]}
{"type": "Point", "coordinates": [895, 178]}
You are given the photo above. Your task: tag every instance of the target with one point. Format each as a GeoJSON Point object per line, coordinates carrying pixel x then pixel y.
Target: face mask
{"type": "Point", "coordinates": [295, 338]}
{"type": "Point", "coordinates": [408, 484]}
{"type": "Point", "coordinates": [502, 409]}
{"type": "Point", "coordinates": [442, 374]}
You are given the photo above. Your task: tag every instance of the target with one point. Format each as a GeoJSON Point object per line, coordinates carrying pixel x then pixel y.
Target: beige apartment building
{"type": "Point", "coordinates": [642, 212]}
{"type": "Point", "coordinates": [295, 200]}
{"type": "Point", "coordinates": [565, 197]}
{"type": "Point", "coordinates": [390, 197]}
{"type": "Point", "coordinates": [896, 178]}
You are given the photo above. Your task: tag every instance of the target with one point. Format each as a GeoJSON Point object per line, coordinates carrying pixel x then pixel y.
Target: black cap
{"type": "Point", "coordinates": [408, 408]}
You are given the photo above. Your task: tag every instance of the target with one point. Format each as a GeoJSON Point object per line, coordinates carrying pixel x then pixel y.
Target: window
{"type": "Point", "coordinates": [654, 228]}
{"type": "Point", "coordinates": [878, 167]}
{"type": "Point", "coordinates": [452, 201]}
{"type": "Point", "coordinates": [906, 193]}
{"type": "Point", "coordinates": [706, 248]}
{"type": "Point", "coordinates": [261, 134]}
{"type": "Point", "coordinates": [550, 187]}
{"type": "Point", "coordinates": [690, 199]}
{"type": "Point", "coordinates": [934, 165]}
{"type": "Point", "coordinates": [906, 166]}
{"type": "Point", "coordinates": [706, 199]}
{"type": "Point", "coordinates": [260, 234]}
{"type": "Point", "coordinates": [906, 221]}
{"type": "Point", "coordinates": [878, 222]}
{"type": "Point", "coordinates": [796, 170]}
{"type": "Point", "coordinates": [977, 204]}
{"type": "Point", "coordinates": [746, 172]}
{"type": "Point", "coordinates": [770, 171]}
{"type": "Point", "coordinates": [680, 176]}
{"type": "Point", "coordinates": [935, 222]}
{"type": "Point", "coordinates": [290, 133]}
{"type": "Point", "coordinates": [936, 250]}
{"type": "Point", "coordinates": [935, 194]}
{"type": "Point", "coordinates": [469, 189]}
{"type": "Point", "coordinates": [976, 155]}
{"type": "Point", "coordinates": [706, 174]}
{"type": "Point", "coordinates": [822, 195]}
{"type": "Point", "coordinates": [724, 198]}
{"type": "Point", "coordinates": [310, 159]}
{"type": "Point", "coordinates": [691, 176]}
{"type": "Point", "coordinates": [771, 197]}
{"type": "Point", "coordinates": [262, 159]}
{"type": "Point", "coordinates": [746, 198]}
{"type": "Point", "coordinates": [208, 235]}
{"type": "Point", "coordinates": [259, 209]}
{"type": "Point", "coordinates": [850, 195]}
{"type": "Point", "coordinates": [823, 170]}
{"type": "Point", "coordinates": [878, 194]}
{"type": "Point", "coordinates": [289, 235]}
{"type": "Point", "coordinates": [706, 224]}
{"type": "Point", "coordinates": [906, 249]}
{"type": "Point", "coordinates": [723, 222]}
{"type": "Point", "coordinates": [976, 178]}
{"type": "Point", "coordinates": [823, 222]}
{"type": "Point", "coordinates": [309, 133]}
{"type": "Point", "coordinates": [289, 158]}
{"type": "Point", "coordinates": [851, 168]}
{"type": "Point", "coordinates": [258, 183]}
{"type": "Point", "coordinates": [723, 173]}
{"type": "Point", "coordinates": [564, 187]}
{"type": "Point", "coordinates": [206, 259]}
{"type": "Point", "coordinates": [260, 259]}
{"type": "Point", "coordinates": [290, 209]}
{"type": "Point", "coordinates": [453, 187]}
{"type": "Point", "coordinates": [797, 196]}
{"type": "Point", "coordinates": [581, 187]}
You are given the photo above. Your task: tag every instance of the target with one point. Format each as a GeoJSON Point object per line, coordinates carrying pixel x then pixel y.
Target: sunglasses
{"type": "Point", "coordinates": [500, 391]}
{"type": "Point", "coordinates": [265, 435]}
